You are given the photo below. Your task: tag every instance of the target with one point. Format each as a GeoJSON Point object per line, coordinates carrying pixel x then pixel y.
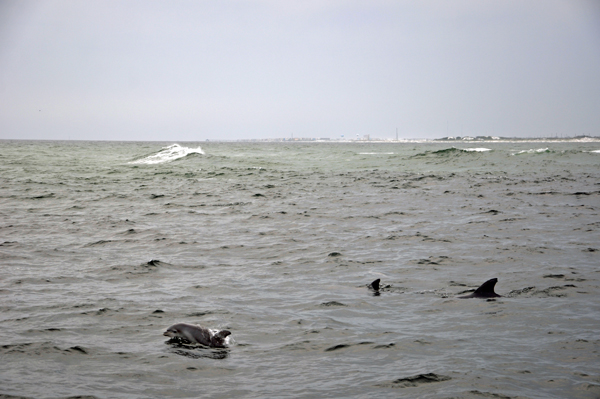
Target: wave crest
{"type": "Point", "coordinates": [168, 154]}
{"type": "Point", "coordinates": [452, 150]}
{"type": "Point", "coordinates": [533, 151]}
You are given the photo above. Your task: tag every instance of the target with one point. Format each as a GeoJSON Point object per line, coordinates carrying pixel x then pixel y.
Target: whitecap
{"type": "Point", "coordinates": [532, 151]}
{"type": "Point", "coordinates": [476, 149]}
{"type": "Point", "coordinates": [168, 154]}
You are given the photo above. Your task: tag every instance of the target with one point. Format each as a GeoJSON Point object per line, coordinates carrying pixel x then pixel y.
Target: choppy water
{"type": "Point", "coordinates": [104, 245]}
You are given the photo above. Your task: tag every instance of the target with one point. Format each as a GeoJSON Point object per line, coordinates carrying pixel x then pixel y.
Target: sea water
{"type": "Point", "coordinates": [103, 245]}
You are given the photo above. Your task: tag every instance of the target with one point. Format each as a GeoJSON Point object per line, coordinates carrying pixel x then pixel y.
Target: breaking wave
{"type": "Point", "coordinates": [168, 154]}
{"type": "Point", "coordinates": [452, 150]}
{"type": "Point", "coordinates": [532, 151]}
{"type": "Point", "coordinates": [475, 149]}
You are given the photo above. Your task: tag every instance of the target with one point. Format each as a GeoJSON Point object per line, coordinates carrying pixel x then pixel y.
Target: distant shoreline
{"type": "Point", "coordinates": [478, 139]}
{"type": "Point", "coordinates": [462, 140]}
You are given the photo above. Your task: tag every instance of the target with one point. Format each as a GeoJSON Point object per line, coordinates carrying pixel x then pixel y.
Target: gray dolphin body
{"type": "Point", "coordinates": [197, 335]}
{"type": "Point", "coordinates": [485, 290]}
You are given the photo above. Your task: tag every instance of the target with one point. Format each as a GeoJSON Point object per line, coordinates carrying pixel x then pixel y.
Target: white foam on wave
{"type": "Point", "coordinates": [168, 154]}
{"type": "Point", "coordinates": [596, 151]}
{"type": "Point", "coordinates": [375, 153]}
{"type": "Point", "coordinates": [532, 151]}
{"type": "Point", "coordinates": [476, 149]}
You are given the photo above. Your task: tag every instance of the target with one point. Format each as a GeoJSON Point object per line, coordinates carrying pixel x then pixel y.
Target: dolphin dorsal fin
{"type": "Point", "coordinates": [487, 289]}
{"type": "Point", "coordinates": [375, 284]}
{"type": "Point", "coordinates": [223, 334]}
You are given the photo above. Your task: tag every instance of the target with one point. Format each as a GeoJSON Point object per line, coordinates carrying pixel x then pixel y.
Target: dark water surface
{"type": "Point", "coordinates": [104, 245]}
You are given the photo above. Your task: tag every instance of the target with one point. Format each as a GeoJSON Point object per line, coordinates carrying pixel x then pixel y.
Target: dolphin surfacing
{"type": "Point", "coordinates": [198, 335]}
{"type": "Point", "coordinates": [485, 290]}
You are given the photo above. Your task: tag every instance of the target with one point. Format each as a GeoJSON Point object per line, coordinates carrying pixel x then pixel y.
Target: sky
{"type": "Point", "coordinates": [200, 70]}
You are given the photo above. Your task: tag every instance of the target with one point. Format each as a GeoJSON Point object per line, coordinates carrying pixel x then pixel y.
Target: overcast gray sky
{"type": "Point", "coordinates": [219, 69]}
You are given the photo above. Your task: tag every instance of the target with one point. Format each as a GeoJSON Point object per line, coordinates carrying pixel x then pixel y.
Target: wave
{"type": "Point", "coordinates": [475, 149]}
{"type": "Point", "coordinates": [458, 150]}
{"type": "Point", "coordinates": [168, 154]}
{"type": "Point", "coordinates": [532, 151]}
{"type": "Point", "coordinates": [453, 150]}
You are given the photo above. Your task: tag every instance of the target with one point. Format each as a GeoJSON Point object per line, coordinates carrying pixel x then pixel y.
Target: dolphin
{"type": "Point", "coordinates": [197, 335]}
{"type": "Point", "coordinates": [485, 290]}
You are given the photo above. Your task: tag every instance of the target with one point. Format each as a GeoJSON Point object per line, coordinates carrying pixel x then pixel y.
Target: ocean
{"type": "Point", "coordinates": [103, 245]}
